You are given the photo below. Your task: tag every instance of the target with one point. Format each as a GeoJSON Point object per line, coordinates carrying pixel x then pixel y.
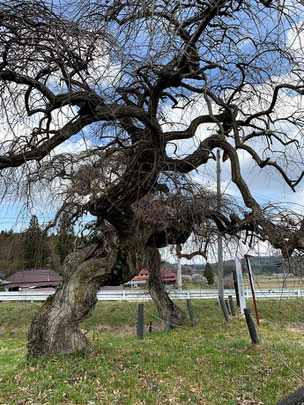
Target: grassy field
{"type": "Point", "coordinates": [261, 281]}
{"type": "Point", "coordinates": [213, 363]}
{"type": "Point", "coordinates": [272, 282]}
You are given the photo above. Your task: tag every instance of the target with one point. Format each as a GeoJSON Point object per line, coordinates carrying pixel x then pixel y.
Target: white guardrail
{"type": "Point", "coordinates": [142, 295]}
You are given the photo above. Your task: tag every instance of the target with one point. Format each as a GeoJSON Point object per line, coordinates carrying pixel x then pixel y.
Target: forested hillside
{"type": "Point", "coordinates": [35, 247]}
{"type": "Point", "coordinates": [260, 265]}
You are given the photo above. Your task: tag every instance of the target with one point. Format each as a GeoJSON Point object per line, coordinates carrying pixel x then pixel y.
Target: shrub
{"type": "Point", "coordinates": [198, 278]}
{"type": "Point", "coordinates": [228, 282]}
{"type": "Point", "coordinates": [186, 278]}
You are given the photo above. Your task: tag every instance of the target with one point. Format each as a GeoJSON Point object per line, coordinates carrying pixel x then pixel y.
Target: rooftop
{"type": "Point", "coordinates": [42, 277]}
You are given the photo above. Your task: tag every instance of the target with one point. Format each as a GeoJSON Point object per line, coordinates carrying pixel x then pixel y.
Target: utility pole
{"type": "Point", "coordinates": [219, 239]}
{"type": "Point", "coordinates": [285, 275]}
{"type": "Point", "coordinates": [179, 274]}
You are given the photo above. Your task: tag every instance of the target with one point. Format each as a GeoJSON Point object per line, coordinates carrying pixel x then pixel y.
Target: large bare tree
{"type": "Point", "coordinates": [132, 82]}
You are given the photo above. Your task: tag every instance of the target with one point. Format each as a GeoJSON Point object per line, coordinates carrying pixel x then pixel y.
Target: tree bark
{"type": "Point", "coordinates": [55, 328]}
{"type": "Point", "coordinates": [157, 290]}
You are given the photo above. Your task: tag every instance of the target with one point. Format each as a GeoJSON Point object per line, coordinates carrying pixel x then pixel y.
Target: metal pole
{"type": "Point", "coordinates": [219, 239]}
{"type": "Point", "coordinates": [252, 287]}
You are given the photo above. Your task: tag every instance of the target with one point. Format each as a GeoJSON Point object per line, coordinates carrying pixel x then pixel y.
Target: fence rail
{"type": "Point", "coordinates": [142, 295]}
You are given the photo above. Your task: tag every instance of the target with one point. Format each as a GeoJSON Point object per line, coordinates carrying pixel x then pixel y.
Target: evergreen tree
{"type": "Point", "coordinates": [11, 252]}
{"type": "Point", "coordinates": [36, 250]}
{"type": "Point", "coordinates": [209, 274]}
{"type": "Point", "coordinates": [65, 238]}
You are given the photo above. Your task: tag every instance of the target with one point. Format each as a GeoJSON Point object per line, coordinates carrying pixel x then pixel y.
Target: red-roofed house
{"type": "Point", "coordinates": [168, 276]}
{"type": "Point", "coordinates": [44, 278]}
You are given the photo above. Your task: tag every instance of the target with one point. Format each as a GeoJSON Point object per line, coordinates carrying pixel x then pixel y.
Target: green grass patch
{"type": "Point", "coordinates": [213, 363]}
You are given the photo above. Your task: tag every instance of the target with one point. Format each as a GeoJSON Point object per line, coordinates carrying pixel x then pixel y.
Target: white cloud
{"type": "Point", "coordinates": [295, 40]}
{"type": "Point", "coordinates": [102, 71]}
{"type": "Point", "coordinates": [73, 146]}
{"type": "Point", "coordinates": [266, 184]}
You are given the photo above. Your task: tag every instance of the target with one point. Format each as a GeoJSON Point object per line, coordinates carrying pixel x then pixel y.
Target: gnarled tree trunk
{"type": "Point", "coordinates": [113, 260]}
{"type": "Point", "coordinates": [55, 328]}
{"type": "Point", "coordinates": [158, 292]}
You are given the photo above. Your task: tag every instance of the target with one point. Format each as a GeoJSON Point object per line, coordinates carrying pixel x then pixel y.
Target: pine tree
{"type": "Point", "coordinates": [65, 238]}
{"type": "Point", "coordinates": [36, 251]}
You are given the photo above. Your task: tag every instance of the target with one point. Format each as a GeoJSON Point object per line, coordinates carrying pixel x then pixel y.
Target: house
{"type": "Point", "coordinates": [42, 279]}
{"type": "Point", "coordinates": [168, 277]}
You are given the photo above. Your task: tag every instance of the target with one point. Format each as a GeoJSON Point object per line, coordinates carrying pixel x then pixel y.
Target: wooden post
{"type": "Point", "coordinates": [231, 305]}
{"type": "Point", "coordinates": [150, 327]}
{"type": "Point", "coordinates": [236, 288]}
{"type": "Point", "coordinates": [251, 326]}
{"type": "Point", "coordinates": [190, 312]}
{"type": "Point", "coordinates": [223, 306]}
{"type": "Point", "coordinates": [227, 306]}
{"type": "Point", "coordinates": [140, 321]}
{"type": "Point", "coordinates": [168, 321]}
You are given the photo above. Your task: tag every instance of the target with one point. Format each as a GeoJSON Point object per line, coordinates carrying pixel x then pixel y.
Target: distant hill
{"type": "Point", "coordinates": [259, 264]}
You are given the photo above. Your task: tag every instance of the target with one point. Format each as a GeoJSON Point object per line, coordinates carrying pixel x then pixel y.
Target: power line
{"type": "Point", "coordinates": [131, 315]}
